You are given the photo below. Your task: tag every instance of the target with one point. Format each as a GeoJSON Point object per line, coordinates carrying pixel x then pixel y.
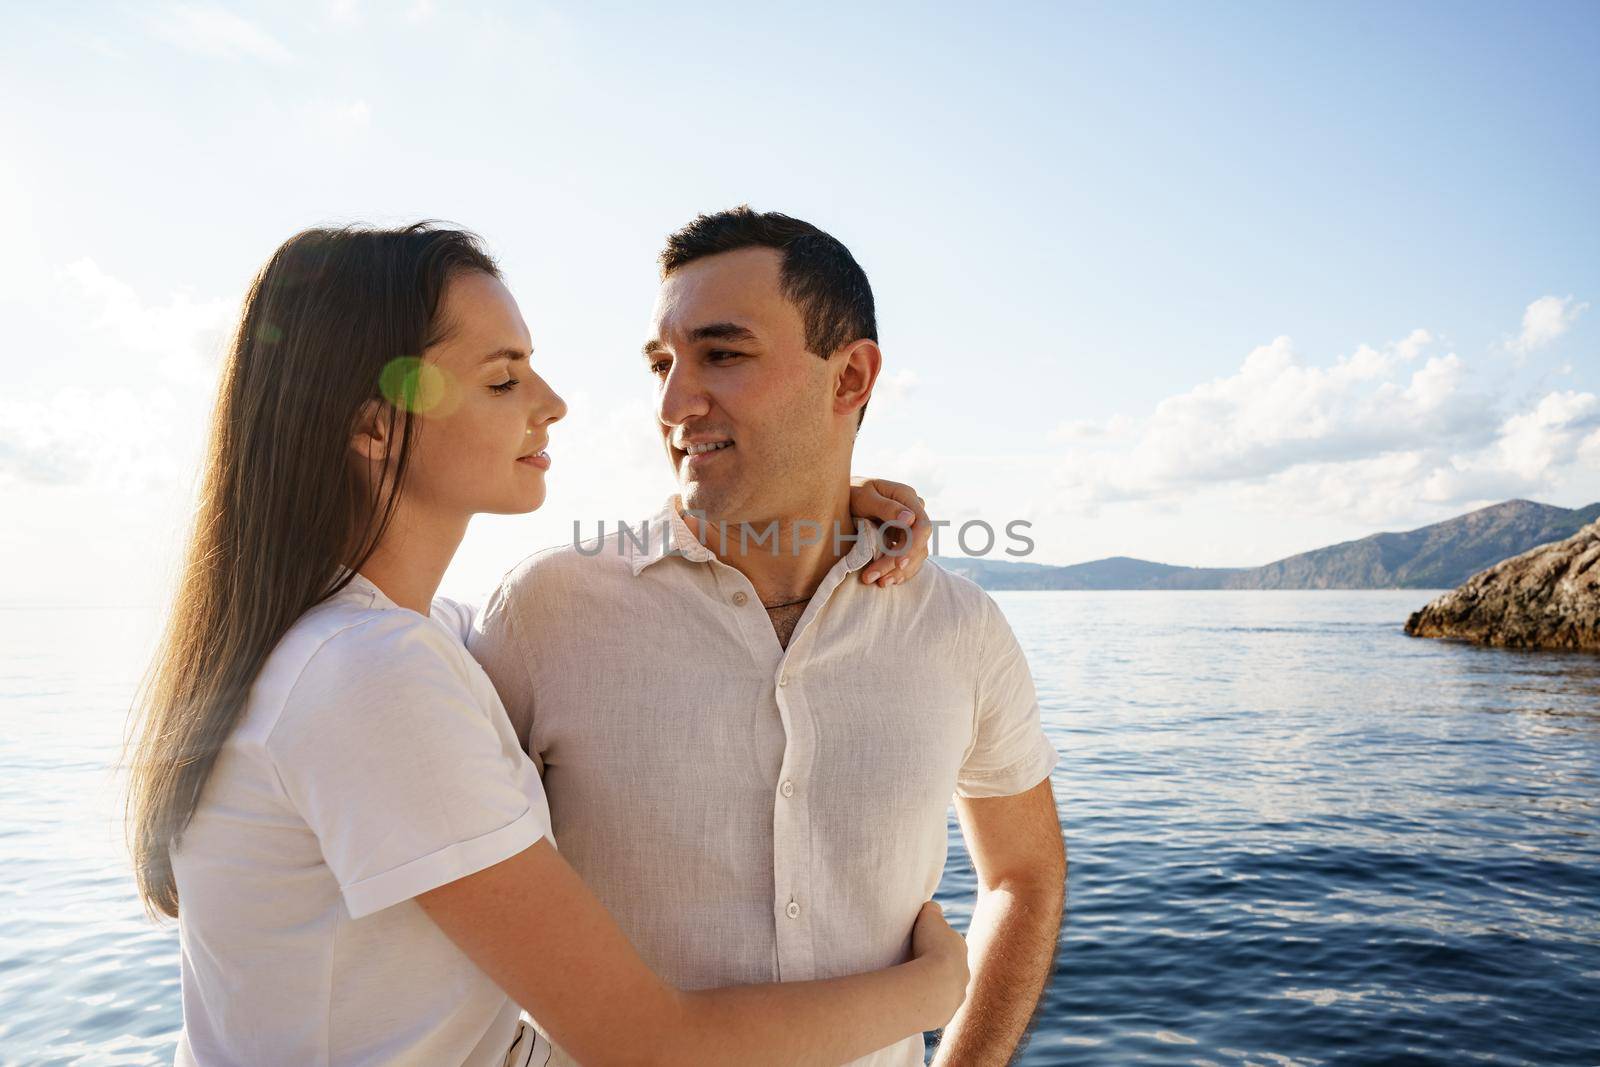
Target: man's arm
{"type": "Point", "coordinates": [1016, 849]}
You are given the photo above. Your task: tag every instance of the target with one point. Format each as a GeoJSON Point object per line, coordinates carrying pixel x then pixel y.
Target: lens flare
{"type": "Point", "coordinates": [419, 387]}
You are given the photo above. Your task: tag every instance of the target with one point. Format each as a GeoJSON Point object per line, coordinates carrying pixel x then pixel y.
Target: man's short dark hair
{"type": "Point", "coordinates": [818, 275]}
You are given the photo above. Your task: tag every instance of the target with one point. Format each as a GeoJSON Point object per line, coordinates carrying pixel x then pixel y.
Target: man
{"type": "Point", "coordinates": [748, 757]}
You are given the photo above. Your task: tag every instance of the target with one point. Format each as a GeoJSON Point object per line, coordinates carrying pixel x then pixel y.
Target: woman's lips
{"type": "Point", "coordinates": [538, 459]}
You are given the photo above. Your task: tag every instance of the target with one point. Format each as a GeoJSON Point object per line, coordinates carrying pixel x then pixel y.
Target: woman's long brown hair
{"type": "Point", "coordinates": [282, 508]}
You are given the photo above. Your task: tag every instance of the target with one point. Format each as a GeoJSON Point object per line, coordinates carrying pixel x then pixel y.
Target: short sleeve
{"type": "Point", "coordinates": [495, 641]}
{"type": "Point", "coordinates": [455, 615]}
{"type": "Point", "coordinates": [406, 771]}
{"type": "Point", "coordinates": [1009, 753]}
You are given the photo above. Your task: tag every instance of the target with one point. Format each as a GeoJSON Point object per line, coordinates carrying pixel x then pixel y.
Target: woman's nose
{"type": "Point", "coordinates": [550, 406]}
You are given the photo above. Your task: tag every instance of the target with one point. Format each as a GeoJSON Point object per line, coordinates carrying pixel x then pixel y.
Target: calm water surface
{"type": "Point", "coordinates": [1296, 837]}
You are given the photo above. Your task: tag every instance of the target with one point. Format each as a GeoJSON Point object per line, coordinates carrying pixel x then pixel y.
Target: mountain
{"type": "Point", "coordinates": [1432, 557]}
{"type": "Point", "coordinates": [1118, 572]}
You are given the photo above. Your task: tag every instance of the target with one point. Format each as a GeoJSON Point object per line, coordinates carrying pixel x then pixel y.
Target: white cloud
{"type": "Point", "coordinates": [1413, 344]}
{"type": "Point", "coordinates": [1544, 320]}
{"type": "Point", "coordinates": [1076, 431]}
{"type": "Point", "coordinates": [351, 12]}
{"type": "Point", "coordinates": [896, 386]}
{"type": "Point", "coordinates": [1373, 489]}
{"type": "Point", "coordinates": [1589, 451]}
{"type": "Point", "coordinates": [118, 440]}
{"type": "Point", "coordinates": [346, 12]}
{"type": "Point", "coordinates": [215, 31]}
{"type": "Point", "coordinates": [1372, 435]}
{"type": "Point", "coordinates": [1533, 442]}
{"type": "Point", "coordinates": [340, 116]}
{"type": "Point", "coordinates": [915, 464]}
{"type": "Point", "coordinates": [1277, 413]}
{"type": "Point", "coordinates": [133, 418]}
{"type": "Point", "coordinates": [184, 333]}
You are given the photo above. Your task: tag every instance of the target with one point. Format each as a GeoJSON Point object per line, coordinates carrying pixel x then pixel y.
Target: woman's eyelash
{"type": "Point", "coordinates": [504, 387]}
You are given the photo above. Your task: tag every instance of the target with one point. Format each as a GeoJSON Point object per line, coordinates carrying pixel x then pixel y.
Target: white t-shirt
{"type": "Point", "coordinates": [373, 762]}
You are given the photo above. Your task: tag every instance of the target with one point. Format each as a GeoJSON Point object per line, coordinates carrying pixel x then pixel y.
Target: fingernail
{"type": "Point", "coordinates": [906, 517]}
{"type": "Point", "coordinates": [872, 576]}
{"type": "Point", "coordinates": [901, 563]}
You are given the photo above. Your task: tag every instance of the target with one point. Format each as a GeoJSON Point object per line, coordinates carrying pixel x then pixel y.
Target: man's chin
{"type": "Point", "coordinates": [705, 498]}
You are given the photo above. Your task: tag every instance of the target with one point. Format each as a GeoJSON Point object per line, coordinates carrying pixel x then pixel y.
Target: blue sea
{"type": "Point", "coordinates": [1296, 836]}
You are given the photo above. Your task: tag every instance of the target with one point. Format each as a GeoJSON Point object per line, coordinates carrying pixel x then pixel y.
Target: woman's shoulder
{"type": "Point", "coordinates": [340, 654]}
{"type": "Point", "coordinates": [369, 645]}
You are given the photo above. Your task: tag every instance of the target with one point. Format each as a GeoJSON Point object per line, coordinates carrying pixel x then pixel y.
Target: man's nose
{"type": "Point", "coordinates": [682, 396]}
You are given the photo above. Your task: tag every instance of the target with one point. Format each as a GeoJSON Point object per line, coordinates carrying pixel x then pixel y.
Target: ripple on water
{"type": "Point", "coordinates": [1296, 837]}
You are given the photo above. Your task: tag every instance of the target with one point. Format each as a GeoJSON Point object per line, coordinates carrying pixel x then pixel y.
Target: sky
{"type": "Point", "coordinates": [1203, 284]}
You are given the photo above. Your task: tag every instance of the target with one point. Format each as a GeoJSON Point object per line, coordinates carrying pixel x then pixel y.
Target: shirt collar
{"type": "Point", "coordinates": [665, 534]}
{"type": "Point", "coordinates": [669, 535]}
{"type": "Point", "coordinates": [360, 585]}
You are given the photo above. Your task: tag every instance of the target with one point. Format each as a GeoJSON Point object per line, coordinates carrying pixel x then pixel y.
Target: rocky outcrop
{"type": "Point", "coordinates": [1548, 597]}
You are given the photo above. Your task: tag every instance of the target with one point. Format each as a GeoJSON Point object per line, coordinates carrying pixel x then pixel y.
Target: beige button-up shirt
{"type": "Point", "coordinates": [750, 813]}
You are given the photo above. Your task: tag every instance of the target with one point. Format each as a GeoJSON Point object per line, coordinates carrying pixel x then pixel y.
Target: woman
{"type": "Point", "coordinates": [326, 780]}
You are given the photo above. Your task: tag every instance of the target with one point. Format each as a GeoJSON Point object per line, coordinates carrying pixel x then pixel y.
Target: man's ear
{"type": "Point", "coordinates": [856, 371]}
{"type": "Point", "coordinates": [371, 439]}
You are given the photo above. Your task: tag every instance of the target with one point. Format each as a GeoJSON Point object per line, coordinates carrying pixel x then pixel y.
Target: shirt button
{"type": "Point", "coordinates": [783, 679]}
{"type": "Point", "coordinates": [739, 598]}
{"type": "Point", "coordinates": [793, 910]}
{"type": "Point", "coordinates": [787, 789]}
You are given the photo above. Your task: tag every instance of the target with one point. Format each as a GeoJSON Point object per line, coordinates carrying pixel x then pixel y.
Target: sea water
{"type": "Point", "coordinates": [1296, 836]}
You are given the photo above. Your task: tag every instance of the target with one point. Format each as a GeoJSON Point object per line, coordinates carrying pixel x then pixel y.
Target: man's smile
{"type": "Point", "coordinates": [696, 451]}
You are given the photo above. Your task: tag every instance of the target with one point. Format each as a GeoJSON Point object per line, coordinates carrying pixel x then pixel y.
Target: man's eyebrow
{"type": "Point", "coordinates": [505, 353]}
{"type": "Point", "coordinates": [721, 331]}
{"type": "Point", "coordinates": [711, 331]}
